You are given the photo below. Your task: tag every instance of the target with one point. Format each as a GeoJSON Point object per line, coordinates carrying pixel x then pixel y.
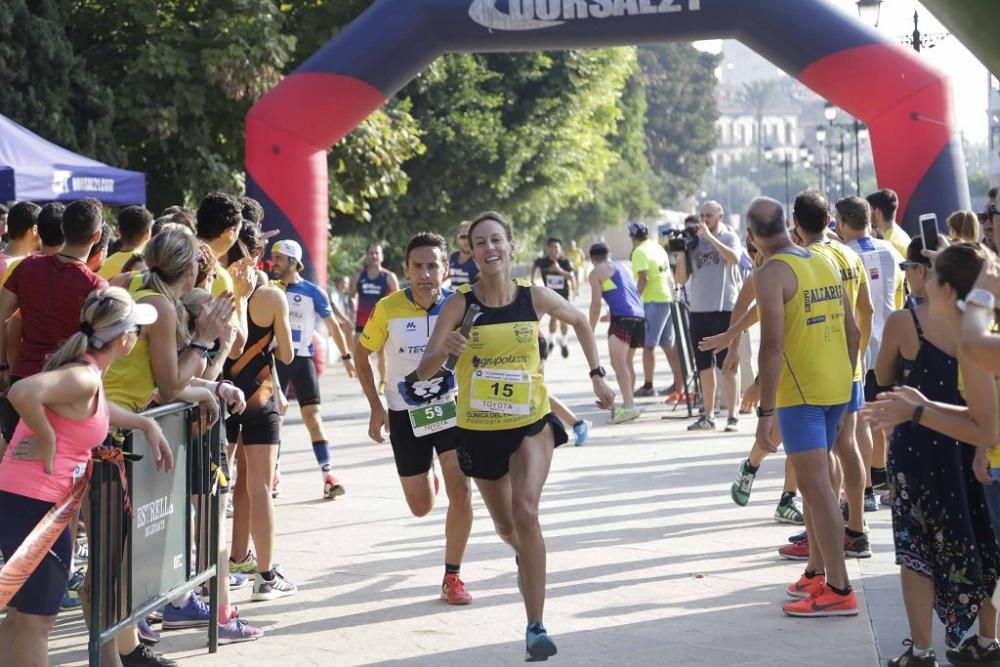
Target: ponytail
{"type": "Point", "coordinates": [71, 351]}
{"type": "Point", "coordinates": [169, 255]}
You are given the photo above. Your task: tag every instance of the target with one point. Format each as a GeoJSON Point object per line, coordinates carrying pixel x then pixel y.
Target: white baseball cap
{"type": "Point", "coordinates": [290, 249]}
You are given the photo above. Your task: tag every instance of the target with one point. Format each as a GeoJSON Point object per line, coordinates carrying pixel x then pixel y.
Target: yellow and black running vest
{"type": "Point", "coordinates": [817, 367]}
{"type": "Point", "coordinates": [499, 378]}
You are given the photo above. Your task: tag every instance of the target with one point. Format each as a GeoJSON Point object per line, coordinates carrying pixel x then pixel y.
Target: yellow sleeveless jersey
{"type": "Point", "coordinates": [129, 381]}
{"type": "Point", "coordinates": [852, 275]}
{"type": "Point", "coordinates": [499, 379]}
{"type": "Point", "coordinates": [817, 367]}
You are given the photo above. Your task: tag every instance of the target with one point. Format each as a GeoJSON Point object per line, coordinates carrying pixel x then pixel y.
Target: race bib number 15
{"type": "Point", "coordinates": [501, 391]}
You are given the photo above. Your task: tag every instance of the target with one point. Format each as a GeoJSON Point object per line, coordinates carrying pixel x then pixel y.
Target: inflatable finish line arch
{"type": "Point", "coordinates": [906, 105]}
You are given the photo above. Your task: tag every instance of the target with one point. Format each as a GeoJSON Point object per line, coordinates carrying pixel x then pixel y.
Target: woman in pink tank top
{"type": "Point", "coordinates": [64, 416]}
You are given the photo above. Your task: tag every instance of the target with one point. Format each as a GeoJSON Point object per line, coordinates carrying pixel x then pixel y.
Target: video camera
{"type": "Point", "coordinates": [682, 240]}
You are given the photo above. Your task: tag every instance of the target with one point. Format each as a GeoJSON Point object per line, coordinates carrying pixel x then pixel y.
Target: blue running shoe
{"type": "Point", "coordinates": [193, 614]}
{"type": "Point", "coordinates": [539, 646]}
{"type": "Point", "coordinates": [582, 431]}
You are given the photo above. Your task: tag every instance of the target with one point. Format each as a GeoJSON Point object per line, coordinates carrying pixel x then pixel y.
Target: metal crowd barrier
{"type": "Point", "coordinates": [168, 545]}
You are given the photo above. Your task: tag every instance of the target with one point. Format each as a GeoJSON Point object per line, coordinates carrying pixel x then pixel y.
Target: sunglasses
{"type": "Point", "coordinates": [463, 236]}
{"type": "Point", "coordinates": [903, 266]}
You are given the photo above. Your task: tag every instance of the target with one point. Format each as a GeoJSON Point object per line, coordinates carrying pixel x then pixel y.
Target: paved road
{"type": "Point", "coordinates": [650, 561]}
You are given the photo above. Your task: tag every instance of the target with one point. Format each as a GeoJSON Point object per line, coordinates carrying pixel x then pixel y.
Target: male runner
{"type": "Point", "coordinates": [462, 268]}
{"type": "Point", "coordinates": [402, 324]}
{"type": "Point", "coordinates": [808, 350]}
{"type": "Point", "coordinates": [557, 274]}
{"type": "Point", "coordinates": [307, 303]}
{"type": "Point", "coordinates": [370, 285]}
{"type": "Point", "coordinates": [576, 259]}
{"type": "Point", "coordinates": [885, 280]}
{"type": "Point", "coordinates": [627, 330]}
{"type": "Point", "coordinates": [810, 216]}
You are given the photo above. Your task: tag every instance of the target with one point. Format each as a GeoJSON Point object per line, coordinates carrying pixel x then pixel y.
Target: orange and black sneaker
{"type": "Point", "coordinates": [798, 551]}
{"type": "Point", "coordinates": [805, 587]}
{"type": "Point", "coordinates": [824, 602]}
{"type": "Point", "coordinates": [453, 590]}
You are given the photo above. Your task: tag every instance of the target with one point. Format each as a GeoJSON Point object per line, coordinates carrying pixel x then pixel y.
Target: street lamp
{"type": "Point", "coordinates": [830, 112]}
{"type": "Point", "coordinates": [860, 134]}
{"type": "Point", "coordinates": [821, 140]}
{"type": "Point", "coordinates": [786, 162]}
{"type": "Point", "coordinates": [870, 11]}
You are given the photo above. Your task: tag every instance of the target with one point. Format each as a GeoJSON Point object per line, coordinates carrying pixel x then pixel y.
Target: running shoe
{"type": "Point", "coordinates": [675, 397]}
{"type": "Point", "coordinates": [668, 392]}
{"type": "Point", "coordinates": [331, 487]}
{"type": "Point", "coordinates": [237, 630]}
{"type": "Point", "coordinates": [453, 590]}
{"type": "Point", "coordinates": [193, 614]}
{"type": "Point", "coordinates": [740, 491]}
{"type": "Point", "coordinates": [798, 551]}
{"type": "Point", "coordinates": [732, 425]}
{"type": "Point", "coordinates": [789, 512]}
{"type": "Point", "coordinates": [824, 602]}
{"type": "Point", "coordinates": [565, 352]}
{"type": "Point", "coordinates": [539, 647]}
{"type": "Point", "coordinates": [582, 431]}
{"type": "Point", "coordinates": [908, 659]}
{"type": "Point", "coordinates": [238, 581]}
{"type": "Point", "coordinates": [625, 415]}
{"type": "Point", "coordinates": [805, 587]}
{"type": "Point", "coordinates": [71, 597]}
{"type": "Point", "coordinates": [798, 538]}
{"type": "Point", "coordinates": [871, 502]}
{"type": "Point", "coordinates": [246, 566]}
{"type": "Point", "coordinates": [143, 656]}
{"type": "Point", "coordinates": [703, 424]}
{"type": "Point", "coordinates": [645, 391]}
{"type": "Point", "coordinates": [147, 635]}
{"type": "Point", "coordinates": [81, 550]}
{"type": "Point", "coordinates": [155, 616]}
{"type": "Point", "coordinates": [277, 587]}
{"type": "Point", "coordinates": [971, 652]}
{"type": "Point", "coordinates": [857, 547]}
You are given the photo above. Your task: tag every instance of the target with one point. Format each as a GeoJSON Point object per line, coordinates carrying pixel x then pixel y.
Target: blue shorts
{"type": "Point", "coordinates": [857, 397]}
{"type": "Point", "coordinates": [659, 324]}
{"type": "Point", "coordinates": [807, 427]}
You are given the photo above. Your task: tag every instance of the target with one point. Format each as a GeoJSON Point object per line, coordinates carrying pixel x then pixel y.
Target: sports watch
{"type": "Point", "coordinates": [598, 372]}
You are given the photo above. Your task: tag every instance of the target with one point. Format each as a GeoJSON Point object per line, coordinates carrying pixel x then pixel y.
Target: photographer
{"type": "Point", "coordinates": [712, 283]}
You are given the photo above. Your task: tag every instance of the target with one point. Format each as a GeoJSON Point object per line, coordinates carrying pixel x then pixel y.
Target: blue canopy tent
{"type": "Point", "coordinates": [33, 169]}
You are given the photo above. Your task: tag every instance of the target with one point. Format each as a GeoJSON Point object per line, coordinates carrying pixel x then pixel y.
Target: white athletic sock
{"type": "Point", "coordinates": [922, 652]}
{"type": "Point", "coordinates": [985, 642]}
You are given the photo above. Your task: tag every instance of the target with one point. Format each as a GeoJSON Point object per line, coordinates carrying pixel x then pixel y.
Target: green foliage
{"type": "Point", "coordinates": [680, 125]}
{"type": "Point", "coordinates": [564, 142]}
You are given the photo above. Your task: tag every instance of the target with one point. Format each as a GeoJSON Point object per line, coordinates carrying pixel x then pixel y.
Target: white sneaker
{"type": "Point", "coordinates": [278, 587]}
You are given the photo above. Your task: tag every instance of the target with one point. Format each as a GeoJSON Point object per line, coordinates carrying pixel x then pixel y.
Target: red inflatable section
{"type": "Point", "coordinates": [907, 91]}
{"type": "Point", "coordinates": [289, 131]}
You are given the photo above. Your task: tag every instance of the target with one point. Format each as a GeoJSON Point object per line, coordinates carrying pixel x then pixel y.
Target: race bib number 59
{"type": "Point", "coordinates": [501, 391]}
{"type": "Point", "coordinates": [433, 417]}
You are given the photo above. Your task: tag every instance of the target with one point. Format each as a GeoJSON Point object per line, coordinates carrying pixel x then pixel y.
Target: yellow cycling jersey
{"type": "Point", "coordinates": [852, 274]}
{"type": "Point", "coordinates": [499, 375]}
{"type": "Point", "coordinates": [817, 368]}
{"type": "Point", "coordinates": [402, 327]}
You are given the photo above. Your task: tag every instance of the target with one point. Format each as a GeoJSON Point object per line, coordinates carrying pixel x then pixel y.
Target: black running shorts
{"type": "Point", "coordinates": [263, 428]}
{"type": "Point", "coordinates": [632, 330]}
{"type": "Point", "coordinates": [415, 456]}
{"type": "Point", "coordinates": [486, 454]}
{"type": "Point", "coordinates": [704, 325]}
{"type": "Point", "coordinates": [301, 374]}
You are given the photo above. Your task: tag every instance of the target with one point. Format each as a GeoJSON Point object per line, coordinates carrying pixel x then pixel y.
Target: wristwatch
{"type": "Point", "coordinates": [345, 357]}
{"type": "Point", "coordinates": [978, 297]}
{"type": "Point", "coordinates": [598, 372]}
{"type": "Point", "coordinates": [764, 413]}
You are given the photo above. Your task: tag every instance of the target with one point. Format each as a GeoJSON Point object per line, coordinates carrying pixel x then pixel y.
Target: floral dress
{"type": "Point", "coordinates": [941, 525]}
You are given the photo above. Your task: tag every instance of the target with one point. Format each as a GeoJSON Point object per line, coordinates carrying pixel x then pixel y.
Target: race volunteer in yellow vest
{"type": "Point", "coordinates": [507, 435]}
{"type": "Point", "coordinates": [808, 349]}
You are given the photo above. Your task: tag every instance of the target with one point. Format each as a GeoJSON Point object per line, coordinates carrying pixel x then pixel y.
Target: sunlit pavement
{"type": "Point", "coordinates": [650, 562]}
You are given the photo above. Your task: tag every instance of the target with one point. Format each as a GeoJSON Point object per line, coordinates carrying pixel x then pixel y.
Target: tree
{"type": "Point", "coordinates": [758, 97]}
{"type": "Point", "coordinates": [680, 124]}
